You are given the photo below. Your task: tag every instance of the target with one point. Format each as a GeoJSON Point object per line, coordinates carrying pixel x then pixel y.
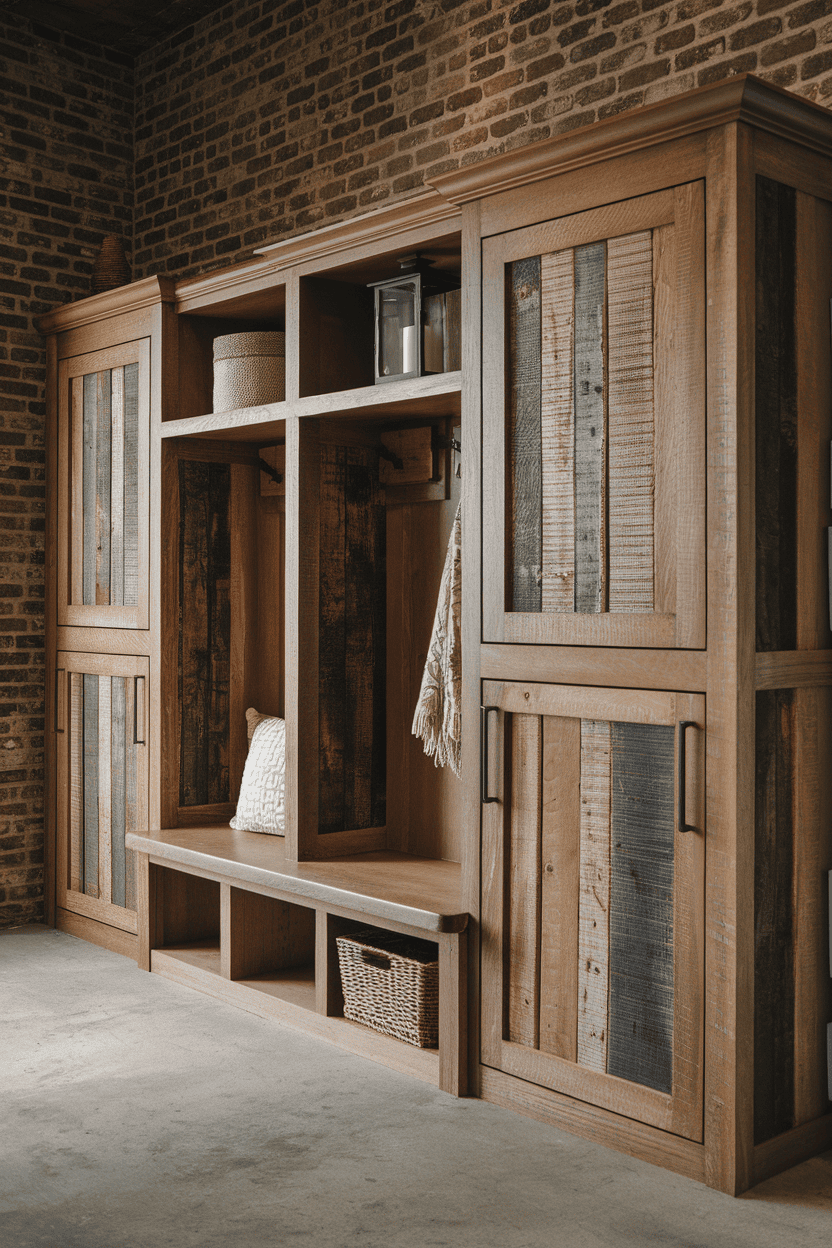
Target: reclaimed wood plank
{"type": "Point", "coordinates": [117, 487]}
{"type": "Point", "coordinates": [776, 417]}
{"type": "Point", "coordinates": [219, 637]}
{"type": "Point", "coordinates": [71, 483]}
{"type": "Point", "coordinates": [105, 796]}
{"type": "Point", "coordinates": [630, 426]}
{"type": "Point", "coordinates": [524, 433]}
{"type": "Point", "coordinates": [365, 605]}
{"type": "Point", "coordinates": [590, 429]}
{"type": "Point", "coordinates": [641, 905]}
{"type": "Point", "coordinates": [667, 441]}
{"type": "Point", "coordinates": [774, 985]}
{"type": "Point", "coordinates": [133, 806]}
{"type": "Point", "coordinates": [131, 485]}
{"type": "Point", "coordinates": [560, 856]}
{"type": "Point", "coordinates": [91, 785]}
{"type": "Point", "coordinates": [524, 882]}
{"type": "Point", "coordinates": [332, 642]}
{"type": "Point", "coordinates": [76, 783]}
{"type": "Point", "coordinates": [118, 749]}
{"type": "Point", "coordinates": [103, 476]}
{"type": "Point", "coordinates": [557, 420]}
{"type": "Point", "coordinates": [593, 914]}
{"type": "Point", "coordinates": [89, 490]}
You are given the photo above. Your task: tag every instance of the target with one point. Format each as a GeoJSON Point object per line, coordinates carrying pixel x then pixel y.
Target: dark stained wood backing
{"type": "Point", "coordinates": [776, 416]}
{"type": "Point", "coordinates": [774, 986]}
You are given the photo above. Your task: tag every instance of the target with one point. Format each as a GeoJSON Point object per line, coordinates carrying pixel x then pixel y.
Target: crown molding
{"type": "Point", "coordinates": [132, 298]}
{"type": "Point", "coordinates": [742, 99]}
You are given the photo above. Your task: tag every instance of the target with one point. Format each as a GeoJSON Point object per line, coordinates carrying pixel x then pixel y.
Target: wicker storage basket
{"type": "Point", "coordinates": [391, 983]}
{"type": "Point", "coordinates": [249, 370]}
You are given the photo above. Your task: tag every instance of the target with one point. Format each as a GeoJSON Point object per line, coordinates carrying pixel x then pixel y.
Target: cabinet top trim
{"type": "Point", "coordinates": [132, 298]}
{"type": "Point", "coordinates": [742, 99]}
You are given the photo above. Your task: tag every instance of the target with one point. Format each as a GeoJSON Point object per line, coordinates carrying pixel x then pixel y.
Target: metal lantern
{"type": "Point", "coordinates": [411, 321]}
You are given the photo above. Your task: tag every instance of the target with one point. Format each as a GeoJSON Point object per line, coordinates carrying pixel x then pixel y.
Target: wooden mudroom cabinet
{"type": "Point", "coordinates": [625, 885]}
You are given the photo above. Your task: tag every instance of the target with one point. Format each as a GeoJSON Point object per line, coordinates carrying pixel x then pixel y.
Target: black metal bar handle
{"type": "Point", "coordinates": [484, 713]}
{"type": "Point", "coordinates": [136, 740]}
{"type": "Point", "coordinates": [683, 725]}
{"type": "Point", "coordinates": [59, 718]}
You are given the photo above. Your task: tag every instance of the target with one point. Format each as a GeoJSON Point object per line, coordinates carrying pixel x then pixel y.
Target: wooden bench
{"type": "Point", "coordinates": [223, 912]}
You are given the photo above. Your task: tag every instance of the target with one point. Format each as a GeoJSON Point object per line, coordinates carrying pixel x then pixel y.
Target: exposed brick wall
{"type": "Point", "coordinates": [269, 119]}
{"type": "Point", "coordinates": [65, 180]}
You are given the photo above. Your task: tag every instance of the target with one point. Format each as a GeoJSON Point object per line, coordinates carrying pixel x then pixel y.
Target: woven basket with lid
{"type": "Point", "coordinates": [249, 370]}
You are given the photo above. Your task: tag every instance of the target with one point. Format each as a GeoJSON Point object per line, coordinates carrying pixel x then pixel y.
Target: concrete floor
{"type": "Point", "coordinates": [135, 1113]}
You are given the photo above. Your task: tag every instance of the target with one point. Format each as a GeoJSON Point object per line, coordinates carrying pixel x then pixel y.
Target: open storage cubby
{"type": "Point", "coordinates": [188, 918]}
{"type": "Point", "coordinates": [271, 946]}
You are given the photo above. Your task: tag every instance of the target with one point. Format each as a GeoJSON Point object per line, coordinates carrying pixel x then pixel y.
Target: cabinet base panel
{"type": "Point", "coordinates": [112, 938]}
{"type": "Point", "coordinates": [599, 1125]}
{"type": "Point", "coordinates": [421, 1063]}
{"type": "Point", "coordinates": [789, 1149]}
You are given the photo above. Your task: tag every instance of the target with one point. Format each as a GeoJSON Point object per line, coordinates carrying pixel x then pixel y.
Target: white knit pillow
{"type": "Point", "coordinates": [262, 803]}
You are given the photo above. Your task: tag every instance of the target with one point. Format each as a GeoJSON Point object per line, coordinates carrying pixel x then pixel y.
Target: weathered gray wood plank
{"type": "Point", "coordinates": [131, 484]}
{"type": "Point", "coordinates": [117, 783]}
{"type": "Point", "coordinates": [117, 488]}
{"type": "Point", "coordinates": [103, 474]}
{"type": "Point", "coordinates": [594, 908]}
{"type": "Point", "coordinates": [590, 431]}
{"type": "Point", "coordinates": [91, 887]}
{"type": "Point", "coordinates": [525, 479]}
{"type": "Point", "coordinates": [641, 905]}
{"type": "Point", "coordinates": [89, 486]}
{"type": "Point", "coordinates": [132, 804]}
{"type": "Point", "coordinates": [557, 421]}
{"type": "Point", "coordinates": [524, 881]}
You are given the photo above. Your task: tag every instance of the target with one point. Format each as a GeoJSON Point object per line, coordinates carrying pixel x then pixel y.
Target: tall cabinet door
{"type": "Point", "coordinates": [593, 896]}
{"type": "Point", "coordinates": [594, 427]}
{"type": "Point", "coordinates": [102, 782]}
{"type": "Point", "coordinates": [104, 472]}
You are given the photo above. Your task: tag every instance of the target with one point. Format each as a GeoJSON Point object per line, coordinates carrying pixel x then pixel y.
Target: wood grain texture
{"type": "Point", "coordinates": [560, 856]}
{"type": "Point", "coordinates": [453, 1014]}
{"type": "Point", "coordinates": [91, 886]}
{"type": "Point", "coordinates": [557, 420]}
{"type": "Point", "coordinates": [132, 553]}
{"type": "Point", "coordinates": [117, 487]}
{"type": "Point", "coordinates": [776, 415]}
{"type": "Point", "coordinates": [118, 800]}
{"type": "Point", "coordinates": [89, 487]}
{"type": "Point", "coordinates": [774, 985]}
{"type": "Point", "coordinates": [105, 794]}
{"type": "Point", "coordinates": [641, 931]}
{"type": "Point", "coordinates": [75, 781]}
{"type": "Point", "coordinates": [630, 430]}
{"type": "Point", "coordinates": [332, 674]}
{"type": "Point", "coordinates": [594, 909]}
{"type": "Point", "coordinates": [268, 935]}
{"type": "Point", "coordinates": [667, 434]}
{"type": "Point", "coordinates": [524, 433]}
{"type": "Point", "coordinates": [97, 933]}
{"type": "Point", "coordinates": [103, 478]}
{"type": "Point", "coordinates": [523, 946]}
{"type": "Point", "coordinates": [204, 648]}
{"type": "Point", "coordinates": [590, 429]}
{"type": "Point", "coordinates": [583, 665]}
{"type": "Point", "coordinates": [135, 801]}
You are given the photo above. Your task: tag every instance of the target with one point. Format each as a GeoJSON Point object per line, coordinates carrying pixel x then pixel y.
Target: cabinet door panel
{"type": "Point", "coordinates": [594, 425]}
{"type": "Point", "coordinates": [102, 782]}
{"type": "Point", "coordinates": [103, 438]}
{"type": "Point", "coordinates": [593, 898]}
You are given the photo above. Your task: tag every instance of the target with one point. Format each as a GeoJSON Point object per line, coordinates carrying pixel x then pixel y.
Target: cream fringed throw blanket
{"type": "Point", "coordinates": [438, 718]}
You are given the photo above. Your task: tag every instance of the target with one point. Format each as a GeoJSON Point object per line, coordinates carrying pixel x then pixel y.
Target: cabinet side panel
{"type": "Point", "coordinates": [776, 417]}
{"type": "Point", "coordinates": [773, 916]}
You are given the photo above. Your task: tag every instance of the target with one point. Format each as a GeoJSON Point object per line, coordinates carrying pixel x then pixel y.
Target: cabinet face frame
{"type": "Point", "coordinates": [681, 1112]}
{"type": "Point", "coordinates": [71, 371]}
{"type": "Point", "coordinates": [101, 908]}
{"type": "Point", "coordinates": [680, 557]}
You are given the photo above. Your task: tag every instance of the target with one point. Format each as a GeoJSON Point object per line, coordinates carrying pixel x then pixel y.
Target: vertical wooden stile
{"type": "Point", "coordinates": [641, 1006]}
{"type": "Point", "coordinates": [630, 429]}
{"type": "Point", "coordinates": [117, 489]}
{"type": "Point", "coordinates": [91, 785]}
{"type": "Point", "coordinates": [524, 439]}
{"type": "Point", "coordinates": [557, 419]}
{"type": "Point", "coordinates": [76, 782]}
{"type": "Point", "coordinates": [524, 882]}
{"type": "Point", "coordinates": [593, 918]}
{"type": "Point", "coordinates": [560, 856]}
{"type": "Point", "coordinates": [118, 747]}
{"type": "Point", "coordinates": [590, 429]}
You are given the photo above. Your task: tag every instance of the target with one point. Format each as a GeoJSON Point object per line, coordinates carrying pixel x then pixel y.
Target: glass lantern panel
{"type": "Point", "coordinates": [398, 331]}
